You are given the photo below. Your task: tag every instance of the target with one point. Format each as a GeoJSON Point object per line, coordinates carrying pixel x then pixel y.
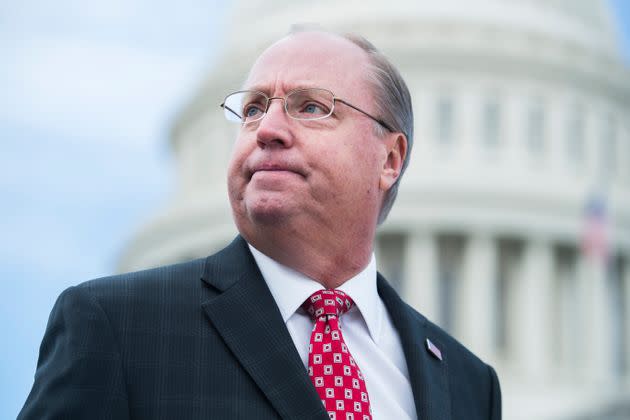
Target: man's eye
{"type": "Point", "coordinates": [252, 111]}
{"type": "Point", "coordinates": [313, 108]}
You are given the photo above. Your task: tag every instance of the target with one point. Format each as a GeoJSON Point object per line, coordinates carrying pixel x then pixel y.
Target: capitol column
{"type": "Point", "coordinates": [597, 354]}
{"type": "Point", "coordinates": [420, 287]}
{"type": "Point", "coordinates": [626, 287]}
{"type": "Point", "coordinates": [533, 309]}
{"type": "Point", "coordinates": [476, 298]}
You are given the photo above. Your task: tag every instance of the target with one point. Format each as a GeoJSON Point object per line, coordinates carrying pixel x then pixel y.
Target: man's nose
{"type": "Point", "coordinates": [274, 129]}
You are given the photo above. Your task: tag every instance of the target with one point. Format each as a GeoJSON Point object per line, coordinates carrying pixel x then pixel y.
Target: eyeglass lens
{"type": "Point", "coordinates": [301, 104]}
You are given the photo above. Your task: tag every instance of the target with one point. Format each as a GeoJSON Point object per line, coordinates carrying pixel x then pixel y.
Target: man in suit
{"type": "Point", "coordinates": [325, 133]}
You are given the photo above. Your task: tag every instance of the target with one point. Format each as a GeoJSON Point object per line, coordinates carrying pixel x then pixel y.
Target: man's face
{"type": "Point", "coordinates": [316, 173]}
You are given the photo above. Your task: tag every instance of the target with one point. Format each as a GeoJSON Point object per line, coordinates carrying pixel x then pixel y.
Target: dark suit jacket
{"type": "Point", "coordinates": [205, 340]}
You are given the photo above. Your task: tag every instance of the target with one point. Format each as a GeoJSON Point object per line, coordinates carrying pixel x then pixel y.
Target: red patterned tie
{"type": "Point", "coordinates": [332, 369]}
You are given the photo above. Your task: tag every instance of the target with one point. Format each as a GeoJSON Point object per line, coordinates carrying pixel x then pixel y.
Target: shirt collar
{"type": "Point", "coordinates": [290, 289]}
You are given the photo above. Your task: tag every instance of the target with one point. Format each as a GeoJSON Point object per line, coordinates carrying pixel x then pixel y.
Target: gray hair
{"type": "Point", "coordinates": [392, 100]}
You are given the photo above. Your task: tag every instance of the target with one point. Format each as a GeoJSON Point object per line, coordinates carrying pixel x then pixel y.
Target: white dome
{"type": "Point", "coordinates": [588, 23]}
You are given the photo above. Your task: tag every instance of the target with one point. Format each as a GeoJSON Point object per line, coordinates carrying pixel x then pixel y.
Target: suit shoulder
{"type": "Point", "coordinates": [469, 375]}
{"type": "Point", "coordinates": [183, 275]}
{"type": "Point", "coordinates": [456, 350]}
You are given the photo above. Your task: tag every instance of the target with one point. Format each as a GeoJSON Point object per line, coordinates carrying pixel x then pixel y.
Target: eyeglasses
{"type": "Point", "coordinates": [247, 106]}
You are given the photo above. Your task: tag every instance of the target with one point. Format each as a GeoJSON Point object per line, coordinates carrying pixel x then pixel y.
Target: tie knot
{"type": "Point", "coordinates": [327, 302]}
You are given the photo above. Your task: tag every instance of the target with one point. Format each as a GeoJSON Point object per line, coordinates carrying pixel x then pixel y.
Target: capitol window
{"type": "Point", "coordinates": [491, 122]}
{"type": "Point", "coordinates": [576, 127]}
{"type": "Point", "coordinates": [535, 130]}
{"type": "Point", "coordinates": [445, 119]}
{"type": "Point", "coordinates": [608, 148]}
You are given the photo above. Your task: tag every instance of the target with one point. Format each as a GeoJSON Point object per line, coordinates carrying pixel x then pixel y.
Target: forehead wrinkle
{"type": "Point", "coordinates": [282, 87]}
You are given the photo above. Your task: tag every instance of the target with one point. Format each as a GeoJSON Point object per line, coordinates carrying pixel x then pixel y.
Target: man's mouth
{"type": "Point", "coordinates": [274, 167]}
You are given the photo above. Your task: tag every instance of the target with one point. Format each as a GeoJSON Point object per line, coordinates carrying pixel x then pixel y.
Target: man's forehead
{"type": "Point", "coordinates": [308, 59]}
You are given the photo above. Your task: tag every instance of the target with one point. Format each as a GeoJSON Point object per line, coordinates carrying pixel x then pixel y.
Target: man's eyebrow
{"type": "Point", "coordinates": [258, 88]}
{"type": "Point", "coordinates": [287, 87]}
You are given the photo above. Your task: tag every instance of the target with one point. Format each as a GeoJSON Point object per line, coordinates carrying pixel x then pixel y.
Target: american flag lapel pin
{"type": "Point", "coordinates": [434, 350]}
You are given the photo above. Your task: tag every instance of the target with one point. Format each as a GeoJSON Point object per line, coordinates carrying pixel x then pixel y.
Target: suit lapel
{"type": "Point", "coordinates": [247, 317]}
{"type": "Point", "coordinates": [427, 374]}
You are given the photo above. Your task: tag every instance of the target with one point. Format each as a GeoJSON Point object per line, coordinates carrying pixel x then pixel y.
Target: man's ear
{"type": "Point", "coordinates": [396, 144]}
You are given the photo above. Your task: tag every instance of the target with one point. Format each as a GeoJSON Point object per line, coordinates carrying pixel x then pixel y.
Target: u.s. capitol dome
{"type": "Point", "coordinates": [520, 124]}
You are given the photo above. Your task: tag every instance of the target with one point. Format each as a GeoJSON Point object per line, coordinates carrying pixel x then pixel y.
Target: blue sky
{"type": "Point", "coordinates": [89, 89]}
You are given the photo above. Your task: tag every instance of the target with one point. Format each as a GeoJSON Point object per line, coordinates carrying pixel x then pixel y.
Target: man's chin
{"type": "Point", "coordinates": [269, 212]}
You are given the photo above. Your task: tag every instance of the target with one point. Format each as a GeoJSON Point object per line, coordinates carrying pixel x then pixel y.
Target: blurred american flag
{"type": "Point", "coordinates": [595, 237]}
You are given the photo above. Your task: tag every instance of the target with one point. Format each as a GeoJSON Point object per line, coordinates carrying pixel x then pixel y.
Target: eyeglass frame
{"type": "Point", "coordinates": [335, 99]}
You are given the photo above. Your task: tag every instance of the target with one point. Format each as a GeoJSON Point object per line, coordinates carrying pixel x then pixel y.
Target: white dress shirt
{"type": "Point", "coordinates": [367, 330]}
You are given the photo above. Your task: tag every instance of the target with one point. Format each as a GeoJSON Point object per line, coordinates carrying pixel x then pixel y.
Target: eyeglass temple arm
{"type": "Point", "coordinates": [378, 120]}
{"type": "Point", "coordinates": [224, 106]}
